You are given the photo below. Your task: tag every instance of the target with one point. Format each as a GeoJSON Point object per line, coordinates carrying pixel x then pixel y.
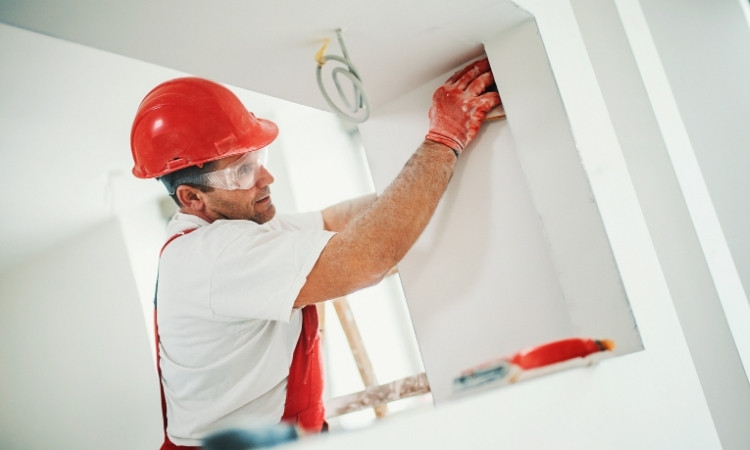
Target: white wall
{"type": "Point", "coordinates": [76, 367]}
{"type": "Point", "coordinates": [709, 156]}
{"type": "Point", "coordinates": [668, 217]}
{"type": "Point", "coordinates": [647, 399]}
{"type": "Point", "coordinates": [60, 87]}
{"type": "Point", "coordinates": [650, 399]}
{"type": "Point", "coordinates": [478, 258]}
{"type": "Point", "coordinates": [516, 254]}
{"type": "Point", "coordinates": [704, 48]}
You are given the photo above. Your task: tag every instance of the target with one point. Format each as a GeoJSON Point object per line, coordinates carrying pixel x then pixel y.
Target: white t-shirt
{"type": "Point", "coordinates": [226, 320]}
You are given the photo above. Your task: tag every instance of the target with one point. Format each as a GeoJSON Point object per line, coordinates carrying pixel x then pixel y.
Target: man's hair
{"type": "Point", "coordinates": [192, 176]}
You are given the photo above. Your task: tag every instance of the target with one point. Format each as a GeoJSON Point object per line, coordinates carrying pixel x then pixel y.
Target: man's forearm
{"type": "Point", "coordinates": [376, 239]}
{"type": "Point", "coordinates": [397, 218]}
{"type": "Point", "coordinates": [336, 217]}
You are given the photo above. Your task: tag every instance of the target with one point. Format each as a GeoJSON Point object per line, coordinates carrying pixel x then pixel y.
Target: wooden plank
{"type": "Point", "coordinates": [362, 359]}
{"type": "Point", "coordinates": [378, 395]}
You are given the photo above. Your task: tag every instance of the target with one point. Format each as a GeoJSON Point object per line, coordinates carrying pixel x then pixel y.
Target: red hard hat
{"type": "Point", "coordinates": [190, 121]}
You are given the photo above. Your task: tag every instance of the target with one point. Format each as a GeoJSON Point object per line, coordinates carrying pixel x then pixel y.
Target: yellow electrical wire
{"type": "Point", "coordinates": [320, 56]}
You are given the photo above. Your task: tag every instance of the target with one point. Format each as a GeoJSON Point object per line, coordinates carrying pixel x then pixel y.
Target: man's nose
{"type": "Point", "coordinates": [264, 177]}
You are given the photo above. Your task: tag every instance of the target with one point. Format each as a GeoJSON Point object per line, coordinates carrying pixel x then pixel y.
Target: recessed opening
{"type": "Point", "coordinates": [516, 255]}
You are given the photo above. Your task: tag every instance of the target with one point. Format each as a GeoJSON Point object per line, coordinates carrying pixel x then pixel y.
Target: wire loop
{"type": "Point", "coordinates": [356, 106]}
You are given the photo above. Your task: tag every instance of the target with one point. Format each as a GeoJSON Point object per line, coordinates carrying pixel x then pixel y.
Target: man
{"type": "Point", "coordinates": [237, 325]}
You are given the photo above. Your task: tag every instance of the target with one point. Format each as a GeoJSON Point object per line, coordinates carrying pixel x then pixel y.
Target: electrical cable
{"type": "Point", "coordinates": [357, 105]}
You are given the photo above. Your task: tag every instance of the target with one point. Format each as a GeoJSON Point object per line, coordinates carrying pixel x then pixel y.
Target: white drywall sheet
{"type": "Point", "coordinates": [646, 399]}
{"type": "Point", "coordinates": [704, 50]}
{"type": "Point", "coordinates": [76, 371]}
{"type": "Point", "coordinates": [516, 254]}
{"type": "Point", "coordinates": [613, 35]}
{"type": "Point", "coordinates": [481, 268]}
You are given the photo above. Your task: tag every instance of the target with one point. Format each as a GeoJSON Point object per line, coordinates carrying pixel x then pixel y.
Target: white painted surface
{"type": "Point", "coordinates": [561, 190]}
{"type": "Point", "coordinates": [662, 190]}
{"type": "Point", "coordinates": [52, 98]}
{"type": "Point", "coordinates": [745, 9]}
{"type": "Point", "coordinates": [648, 399]}
{"type": "Point", "coordinates": [639, 401]}
{"type": "Point", "coordinates": [66, 118]}
{"type": "Point", "coordinates": [710, 157]}
{"type": "Point", "coordinates": [482, 257]}
{"type": "Point", "coordinates": [704, 50]}
{"type": "Point", "coordinates": [76, 368]}
{"type": "Point", "coordinates": [516, 254]}
{"type": "Point", "coordinates": [643, 400]}
{"type": "Point", "coordinates": [269, 47]}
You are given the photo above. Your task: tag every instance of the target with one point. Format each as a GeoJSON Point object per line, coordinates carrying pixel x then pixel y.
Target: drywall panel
{"type": "Point", "coordinates": [711, 172]}
{"type": "Point", "coordinates": [479, 282]}
{"type": "Point", "coordinates": [561, 192]}
{"type": "Point", "coordinates": [704, 48]}
{"type": "Point", "coordinates": [646, 399]}
{"type": "Point", "coordinates": [664, 207]}
{"type": "Point", "coordinates": [77, 371]}
{"type": "Point", "coordinates": [516, 254]}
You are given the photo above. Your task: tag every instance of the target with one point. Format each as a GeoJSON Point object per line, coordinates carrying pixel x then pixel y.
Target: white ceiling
{"type": "Point", "coordinates": [269, 46]}
{"type": "Point", "coordinates": [66, 108]}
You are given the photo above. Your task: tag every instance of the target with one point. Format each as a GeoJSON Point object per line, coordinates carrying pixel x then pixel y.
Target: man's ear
{"type": "Point", "coordinates": [191, 198]}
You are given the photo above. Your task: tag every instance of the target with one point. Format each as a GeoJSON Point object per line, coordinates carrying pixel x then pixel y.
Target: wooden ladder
{"type": "Point", "coordinates": [375, 396]}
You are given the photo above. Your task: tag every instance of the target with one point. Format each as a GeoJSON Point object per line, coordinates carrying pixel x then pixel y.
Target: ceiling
{"type": "Point", "coordinates": [269, 47]}
{"type": "Point", "coordinates": [265, 47]}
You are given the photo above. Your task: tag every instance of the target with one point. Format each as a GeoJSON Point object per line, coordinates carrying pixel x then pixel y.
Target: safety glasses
{"type": "Point", "coordinates": [241, 174]}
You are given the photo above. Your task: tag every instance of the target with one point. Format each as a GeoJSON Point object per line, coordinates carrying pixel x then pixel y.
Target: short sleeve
{"type": "Point", "coordinates": [259, 274]}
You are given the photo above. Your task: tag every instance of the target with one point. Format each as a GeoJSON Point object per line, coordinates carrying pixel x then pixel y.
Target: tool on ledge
{"type": "Point", "coordinates": [510, 368]}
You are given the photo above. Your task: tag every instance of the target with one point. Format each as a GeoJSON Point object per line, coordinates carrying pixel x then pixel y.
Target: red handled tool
{"type": "Point", "coordinates": [559, 351]}
{"type": "Point", "coordinates": [509, 369]}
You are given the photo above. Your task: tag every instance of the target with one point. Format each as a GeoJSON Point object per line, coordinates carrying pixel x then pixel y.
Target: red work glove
{"type": "Point", "coordinates": [460, 105]}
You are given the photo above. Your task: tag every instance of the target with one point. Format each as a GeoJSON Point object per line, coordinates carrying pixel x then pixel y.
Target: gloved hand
{"type": "Point", "coordinates": [459, 106]}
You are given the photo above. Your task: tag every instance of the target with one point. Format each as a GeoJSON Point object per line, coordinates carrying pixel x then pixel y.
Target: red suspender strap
{"type": "Point", "coordinates": [175, 236]}
{"type": "Point", "coordinates": [304, 395]}
{"type": "Point", "coordinates": [167, 445]}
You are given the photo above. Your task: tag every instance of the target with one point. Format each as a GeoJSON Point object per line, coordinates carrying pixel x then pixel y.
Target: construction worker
{"type": "Point", "coordinates": [237, 327]}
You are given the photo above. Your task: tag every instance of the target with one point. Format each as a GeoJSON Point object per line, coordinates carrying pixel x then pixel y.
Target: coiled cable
{"type": "Point", "coordinates": [357, 106]}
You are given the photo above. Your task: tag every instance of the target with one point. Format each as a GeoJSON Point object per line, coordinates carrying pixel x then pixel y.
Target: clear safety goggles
{"type": "Point", "coordinates": [241, 174]}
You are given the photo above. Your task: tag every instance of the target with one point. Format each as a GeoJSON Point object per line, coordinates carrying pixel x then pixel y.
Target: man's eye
{"type": "Point", "coordinates": [245, 170]}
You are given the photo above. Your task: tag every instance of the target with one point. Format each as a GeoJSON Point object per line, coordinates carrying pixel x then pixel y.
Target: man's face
{"type": "Point", "coordinates": [241, 204]}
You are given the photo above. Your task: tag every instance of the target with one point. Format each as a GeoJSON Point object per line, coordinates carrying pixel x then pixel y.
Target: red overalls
{"type": "Point", "coordinates": [304, 394]}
